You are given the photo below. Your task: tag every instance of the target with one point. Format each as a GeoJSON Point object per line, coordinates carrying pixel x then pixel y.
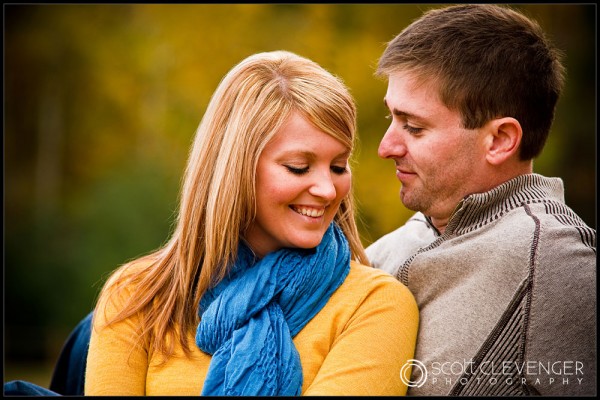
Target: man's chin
{"type": "Point", "coordinates": [409, 203]}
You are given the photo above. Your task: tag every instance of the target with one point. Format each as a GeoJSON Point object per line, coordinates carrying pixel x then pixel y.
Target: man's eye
{"type": "Point", "coordinates": [412, 130]}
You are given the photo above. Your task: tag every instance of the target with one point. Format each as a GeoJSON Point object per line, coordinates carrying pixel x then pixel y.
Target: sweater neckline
{"type": "Point", "coordinates": [479, 209]}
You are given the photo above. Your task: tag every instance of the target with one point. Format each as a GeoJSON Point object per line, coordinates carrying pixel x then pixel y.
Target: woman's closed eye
{"type": "Point", "coordinates": [336, 169]}
{"type": "Point", "coordinates": [297, 170]}
{"type": "Point", "coordinates": [339, 170]}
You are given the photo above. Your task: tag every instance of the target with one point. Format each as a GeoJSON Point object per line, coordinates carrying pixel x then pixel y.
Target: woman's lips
{"type": "Point", "coordinates": [309, 211]}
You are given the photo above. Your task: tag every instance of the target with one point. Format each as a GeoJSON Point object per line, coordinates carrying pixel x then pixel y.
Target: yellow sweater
{"type": "Point", "coordinates": [356, 345]}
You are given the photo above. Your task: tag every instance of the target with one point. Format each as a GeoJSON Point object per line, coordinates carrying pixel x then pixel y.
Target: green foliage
{"type": "Point", "coordinates": [101, 105]}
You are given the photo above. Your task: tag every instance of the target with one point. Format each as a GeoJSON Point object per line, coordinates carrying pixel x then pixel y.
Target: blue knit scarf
{"type": "Point", "coordinates": [249, 319]}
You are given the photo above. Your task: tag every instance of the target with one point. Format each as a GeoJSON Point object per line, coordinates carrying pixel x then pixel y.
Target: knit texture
{"type": "Point", "coordinates": [510, 282]}
{"type": "Point", "coordinates": [249, 319]}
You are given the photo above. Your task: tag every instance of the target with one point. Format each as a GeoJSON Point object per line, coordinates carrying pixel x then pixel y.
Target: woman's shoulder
{"type": "Point", "coordinates": [129, 270]}
{"type": "Point", "coordinates": [121, 285]}
{"type": "Point", "coordinates": [377, 285]}
{"type": "Point", "coordinates": [366, 275]}
{"type": "Point", "coordinates": [370, 297]}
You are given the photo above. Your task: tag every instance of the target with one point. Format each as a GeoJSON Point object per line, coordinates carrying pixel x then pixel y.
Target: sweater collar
{"type": "Point", "coordinates": [478, 209]}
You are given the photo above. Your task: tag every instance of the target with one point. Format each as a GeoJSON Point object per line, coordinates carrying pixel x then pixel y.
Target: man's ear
{"type": "Point", "coordinates": [505, 136]}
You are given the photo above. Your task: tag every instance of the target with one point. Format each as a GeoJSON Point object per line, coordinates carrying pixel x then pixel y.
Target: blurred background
{"type": "Point", "coordinates": [100, 107]}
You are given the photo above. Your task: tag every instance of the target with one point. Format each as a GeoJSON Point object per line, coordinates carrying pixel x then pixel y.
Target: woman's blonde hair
{"type": "Point", "coordinates": [218, 201]}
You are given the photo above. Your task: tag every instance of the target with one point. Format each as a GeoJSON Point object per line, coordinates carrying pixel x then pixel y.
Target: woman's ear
{"type": "Point", "coordinates": [504, 140]}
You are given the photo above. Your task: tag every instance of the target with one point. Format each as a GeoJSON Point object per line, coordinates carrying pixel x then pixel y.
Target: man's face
{"type": "Point", "coordinates": [437, 161]}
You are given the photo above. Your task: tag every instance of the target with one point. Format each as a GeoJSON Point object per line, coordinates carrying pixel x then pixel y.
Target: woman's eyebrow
{"type": "Point", "coordinates": [311, 155]}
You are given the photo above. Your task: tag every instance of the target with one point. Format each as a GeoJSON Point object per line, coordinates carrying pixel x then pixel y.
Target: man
{"type": "Point", "coordinates": [502, 270]}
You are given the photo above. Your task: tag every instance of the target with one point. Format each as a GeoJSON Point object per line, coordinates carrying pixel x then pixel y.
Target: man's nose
{"type": "Point", "coordinates": [391, 145]}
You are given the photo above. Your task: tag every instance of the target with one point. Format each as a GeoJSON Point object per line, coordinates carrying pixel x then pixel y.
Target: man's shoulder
{"type": "Point", "coordinates": [415, 226]}
{"type": "Point", "coordinates": [557, 223]}
{"type": "Point", "coordinates": [393, 248]}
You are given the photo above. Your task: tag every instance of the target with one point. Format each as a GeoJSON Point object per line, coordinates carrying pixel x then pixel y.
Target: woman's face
{"type": "Point", "coordinates": [301, 178]}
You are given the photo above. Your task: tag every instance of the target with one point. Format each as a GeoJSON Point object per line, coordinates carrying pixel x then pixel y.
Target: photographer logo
{"type": "Point", "coordinates": [406, 378]}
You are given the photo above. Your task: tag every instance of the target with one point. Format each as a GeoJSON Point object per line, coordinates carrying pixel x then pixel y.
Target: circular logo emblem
{"type": "Point", "coordinates": [415, 364]}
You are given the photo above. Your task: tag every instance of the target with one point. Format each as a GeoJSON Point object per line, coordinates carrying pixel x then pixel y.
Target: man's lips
{"type": "Point", "coordinates": [403, 174]}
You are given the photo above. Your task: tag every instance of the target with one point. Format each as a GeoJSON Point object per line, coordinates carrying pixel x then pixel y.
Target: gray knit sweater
{"type": "Point", "coordinates": [507, 294]}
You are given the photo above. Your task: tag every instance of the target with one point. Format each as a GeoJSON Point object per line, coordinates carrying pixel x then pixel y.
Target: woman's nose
{"type": "Point", "coordinates": [323, 186]}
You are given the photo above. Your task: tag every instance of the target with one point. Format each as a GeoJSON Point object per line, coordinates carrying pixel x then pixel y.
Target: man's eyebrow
{"type": "Point", "coordinates": [399, 113]}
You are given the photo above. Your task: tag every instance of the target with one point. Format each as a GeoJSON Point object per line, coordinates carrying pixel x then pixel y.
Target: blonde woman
{"type": "Point", "coordinates": [263, 288]}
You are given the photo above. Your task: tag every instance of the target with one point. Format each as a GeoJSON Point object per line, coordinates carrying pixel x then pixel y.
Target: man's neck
{"type": "Point", "coordinates": [439, 224]}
